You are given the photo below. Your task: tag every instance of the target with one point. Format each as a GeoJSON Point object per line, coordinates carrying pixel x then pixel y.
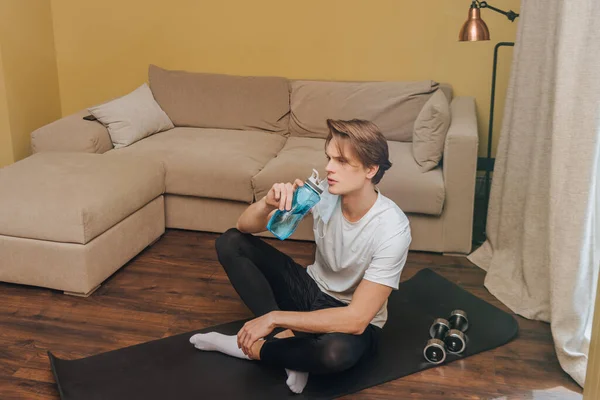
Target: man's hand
{"type": "Point", "coordinates": [256, 217]}
{"type": "Point", "coordinates": [281, 194]}
{"type": "Point", "coordinates": [253, 330]}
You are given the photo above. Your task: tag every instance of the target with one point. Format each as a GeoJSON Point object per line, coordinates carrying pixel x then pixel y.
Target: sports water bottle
{"type": "Point", "coordinates": [283, 223]}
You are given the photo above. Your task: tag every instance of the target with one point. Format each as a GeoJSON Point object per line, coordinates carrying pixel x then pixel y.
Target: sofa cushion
{"type": "Point", "coordinates": [430, 131]}
{"type": "Point", "coordinates": [392, 106]}
{"type": "Point", "coordinates": [413, 191]}
{"type": "Point", "coordinates": [204, 100]}
{"type": "Point", "coordinates": [74, 197]}
{"type": "Point", "coordinates": [132, 117]}
{"type": "Point", "coordinates": [213, 163]}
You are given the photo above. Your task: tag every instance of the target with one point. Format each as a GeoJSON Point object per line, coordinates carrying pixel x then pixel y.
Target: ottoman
{"type": "Point", "coordinates": [70, 220]}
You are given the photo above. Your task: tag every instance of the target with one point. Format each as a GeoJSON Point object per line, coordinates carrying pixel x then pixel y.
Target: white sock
{"type": "Point", "coordinates": [296, 380]}
{"type": "Point", "coordinates": [214, 341]}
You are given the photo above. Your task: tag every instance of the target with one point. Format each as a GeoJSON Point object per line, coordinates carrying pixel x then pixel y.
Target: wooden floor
{"type": "Point", "coordinates": [177, 286]}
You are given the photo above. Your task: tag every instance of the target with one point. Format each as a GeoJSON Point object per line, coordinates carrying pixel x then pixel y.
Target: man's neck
{"type": "Point", "coordinates": [356, 204]}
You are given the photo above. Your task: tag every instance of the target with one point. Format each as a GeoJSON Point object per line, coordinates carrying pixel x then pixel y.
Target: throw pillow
{"type": "Point", "coordinates": [132, 117]}
{"type": "Point", "coordinates": [429, 134]}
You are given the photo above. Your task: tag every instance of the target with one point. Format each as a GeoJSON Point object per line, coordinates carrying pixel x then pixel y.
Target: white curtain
{"type": "Point", "coordinates": [542, 250]}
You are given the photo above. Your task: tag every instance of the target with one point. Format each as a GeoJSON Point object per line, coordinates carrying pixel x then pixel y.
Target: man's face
{"type": "Point", "coordinates": [345, 174]}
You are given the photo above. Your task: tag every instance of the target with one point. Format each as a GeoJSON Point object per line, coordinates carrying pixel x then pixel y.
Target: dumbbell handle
{"type": "Point", "coordinates": [439, 328]}
{"type": "Point", "coordinates": [440, 332]}
{"type": "Point", "coordinates": [458, 320]}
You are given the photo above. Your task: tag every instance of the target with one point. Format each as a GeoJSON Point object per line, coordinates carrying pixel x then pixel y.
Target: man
{"type": "Point", "coordinates": [329, 315]}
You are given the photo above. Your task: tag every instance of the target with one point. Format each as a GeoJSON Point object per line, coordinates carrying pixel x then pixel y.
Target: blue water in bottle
{"type": "Point", "coordinates": [283, 223]}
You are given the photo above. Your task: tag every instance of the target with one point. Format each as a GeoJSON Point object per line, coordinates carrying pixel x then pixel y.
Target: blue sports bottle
{"type": "Point", "coordinates": [283, 223]}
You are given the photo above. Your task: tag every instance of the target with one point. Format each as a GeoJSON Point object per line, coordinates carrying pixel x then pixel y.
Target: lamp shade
{"type": "Point", "coordinates": [474, 29]}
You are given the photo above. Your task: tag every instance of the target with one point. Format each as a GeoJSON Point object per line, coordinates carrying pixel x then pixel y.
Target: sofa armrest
{"type": "Point", "coordinates": [460, 171]}
{"type": "Point", "coordinates": [72, 133]}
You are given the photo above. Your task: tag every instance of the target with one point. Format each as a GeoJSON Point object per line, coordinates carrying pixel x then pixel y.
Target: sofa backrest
{"type": "Point", "coordinates": [392, 106]}
{"type": "Point", "coordinates": [205, 100]}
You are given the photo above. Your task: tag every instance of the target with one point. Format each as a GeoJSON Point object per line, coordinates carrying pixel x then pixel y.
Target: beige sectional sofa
{"type": "Point", "coordinates": [235, 136]}
{"type": "Point", "coordinates": [67, 223]}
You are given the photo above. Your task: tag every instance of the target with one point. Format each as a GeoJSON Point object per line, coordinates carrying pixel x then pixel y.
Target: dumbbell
{"type": "Point", "coordinates": [435, 350]}
{"type": "Point", "coordinates": [455, 338]}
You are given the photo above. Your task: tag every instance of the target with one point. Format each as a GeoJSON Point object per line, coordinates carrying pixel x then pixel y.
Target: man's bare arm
{"type": "Point", "coordinates": [255, 218]}
{"type": "Point", "coordinates": [367, 300]}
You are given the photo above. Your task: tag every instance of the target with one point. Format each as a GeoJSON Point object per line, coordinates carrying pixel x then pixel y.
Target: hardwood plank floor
{"type": "Point", "coordinates": [177, 286]}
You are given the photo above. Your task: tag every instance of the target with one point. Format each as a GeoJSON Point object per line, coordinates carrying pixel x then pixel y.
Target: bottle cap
{"type": "Point", "coordinates": [313, 182]}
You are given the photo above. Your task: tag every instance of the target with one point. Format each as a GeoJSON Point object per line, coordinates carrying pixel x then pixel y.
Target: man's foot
{"type": "Point", "coordinates": [214, 341]}
{"type": "Point", "coordinates": [296, 380]}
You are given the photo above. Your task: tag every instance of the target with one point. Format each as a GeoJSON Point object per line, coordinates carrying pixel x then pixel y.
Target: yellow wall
{"type": "Point", "coordinates": [6, 151]}
{"type": "Point", "coordinates": [30, 96]}
{"type": "Point", "coordinates": [104, 47]}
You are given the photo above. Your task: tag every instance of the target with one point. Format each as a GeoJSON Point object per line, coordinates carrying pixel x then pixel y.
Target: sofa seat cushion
{"type": "Point", "coordinates": [404, 183]}
{"type": "Point", "coordinates": [212, 163]}
{"type": "Point", "coordinates": [74, 197]}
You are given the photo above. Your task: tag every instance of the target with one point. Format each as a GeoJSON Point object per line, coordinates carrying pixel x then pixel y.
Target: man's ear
{"type": "Point", "coordinates": [372, 170]}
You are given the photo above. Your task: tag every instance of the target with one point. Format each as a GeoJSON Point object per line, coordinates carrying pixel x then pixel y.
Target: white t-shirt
{"type": "Point", "coordinates": [374, 248]}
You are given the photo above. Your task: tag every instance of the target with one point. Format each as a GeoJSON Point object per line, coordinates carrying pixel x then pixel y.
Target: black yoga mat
{"type": "Point", "coordinates": [172, 368]}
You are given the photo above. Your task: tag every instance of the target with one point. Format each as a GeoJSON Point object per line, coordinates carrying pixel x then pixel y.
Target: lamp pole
{"type": "Point", "coordinates": [489, 166]}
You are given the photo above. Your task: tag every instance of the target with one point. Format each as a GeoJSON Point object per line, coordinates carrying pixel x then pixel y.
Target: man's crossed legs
{"type": "Point", "coordinates": [269, 280]}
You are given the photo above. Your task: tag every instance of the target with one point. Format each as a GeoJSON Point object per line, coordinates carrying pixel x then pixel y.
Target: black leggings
{"type": "Point", "coordinates": [267, 280]}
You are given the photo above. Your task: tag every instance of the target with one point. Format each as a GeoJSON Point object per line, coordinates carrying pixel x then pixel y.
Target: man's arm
{"type": "Point", "coordinates": [382, 275]}
{"type": "Point", "coordinates": [255, 218]}
{"type": "Point", "coordinates": [367, 300]}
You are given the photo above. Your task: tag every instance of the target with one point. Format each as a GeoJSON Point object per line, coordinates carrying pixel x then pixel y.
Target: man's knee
{"type": "Point", "coordinates": [337, 355]}
{"type": "Point", "coordinates": [228, 242]}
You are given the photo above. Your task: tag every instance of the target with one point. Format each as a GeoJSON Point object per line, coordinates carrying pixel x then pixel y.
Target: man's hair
{"type": "Point", "coordinates": [366, 140]}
